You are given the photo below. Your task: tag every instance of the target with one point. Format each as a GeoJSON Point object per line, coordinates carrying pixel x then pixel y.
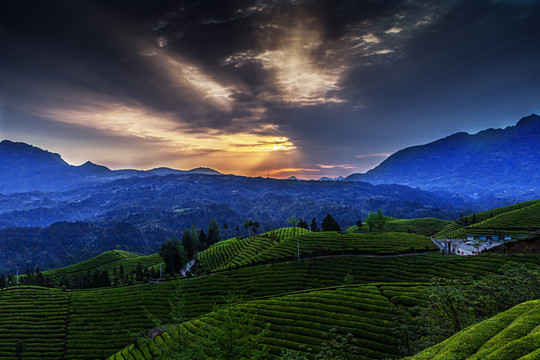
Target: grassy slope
{"type": "Point", "coordinates": [422, 226]}
{"type": "Point", "coordinates": [265, 249]}
{"type": "Point", "coordinates": [513, 334]}
{"type": "Point", "coordinates": [37, 317]}
{"type": "Point", "coordinates": [518, 219]}
{"type": "Point", "coordinates": [303, 321]}
{"type": "Point", "coordinates": [96, 323]}
{"type": "Point", "coordinates": [107, 261]}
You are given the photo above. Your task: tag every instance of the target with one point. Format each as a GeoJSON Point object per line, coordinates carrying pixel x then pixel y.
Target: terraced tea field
{"type": "Point", "coordinates": [513, 334]}
{"type": "Point", "coordinates": [35, 317]}
{"type": "Point", "coordinates": [304, 321]}
{"type": "Point", "coordinates": [421, 226]}
{"type": "Point", "coordinates": [266, 249]}
{"type": "Point", "coordinates": [108, 261]}
{"type": "Point", "coordinates": [93, 324]}
{"type": "Point", "coordinates": [519, 219]}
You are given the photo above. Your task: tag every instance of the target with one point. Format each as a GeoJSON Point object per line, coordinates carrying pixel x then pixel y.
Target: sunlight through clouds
{"type": "Point", "coordinates": [299, 79]}
{"type": "Point", "coordinates": [141, 123]}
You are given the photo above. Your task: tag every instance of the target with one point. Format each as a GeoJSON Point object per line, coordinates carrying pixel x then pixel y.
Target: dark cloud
{"type": "Point", "coordinates": [345, 81]}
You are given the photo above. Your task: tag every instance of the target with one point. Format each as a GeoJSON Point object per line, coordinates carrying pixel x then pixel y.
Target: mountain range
{"type": "Point", "coordinates": [26, 168]}
{"type": "Point", "coordinates": [42, 197]}
{"type": "Point", "coordinates": [500, 162]}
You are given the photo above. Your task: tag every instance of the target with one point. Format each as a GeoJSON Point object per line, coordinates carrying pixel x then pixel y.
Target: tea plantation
{"type": "Point", "coordinates": [108, 261]}
{"type": "Point", "coordinates": [94, 324]}
{"type": "Point", "coordinates": [303, 321]}
{"type": "Point", "coordinates": [513, 334]}
{"type": "Point", "coordinates": [519, 219]}
{"type": "Point", "coordinates": [267, 248]}
{"type": "Point", "coordinates": [421, 226]}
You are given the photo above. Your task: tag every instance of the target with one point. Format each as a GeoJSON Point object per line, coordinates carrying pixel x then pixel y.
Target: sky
{"type": "Point", "coordinates": [257, 88]}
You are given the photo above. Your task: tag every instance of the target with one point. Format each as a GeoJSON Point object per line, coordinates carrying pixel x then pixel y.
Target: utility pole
{"type": "Point", "coordinates": [17, 278]}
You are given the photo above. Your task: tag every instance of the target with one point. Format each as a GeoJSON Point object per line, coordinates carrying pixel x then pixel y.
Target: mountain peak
{"type": "Point", "coordinates": [531, 121]}
{"type": "Point", "coordinates": [204, 170]}
{"type": "Point", "coordinates": [493, 161]}
{"type": "Point", "coordinates": [91, 167]}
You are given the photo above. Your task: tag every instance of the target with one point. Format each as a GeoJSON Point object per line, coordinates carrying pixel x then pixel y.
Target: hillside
{"type": "Point", "coordinates": [518, 219]}
{"type": "Point", "coordinates": [110, 261]}
{"type": "Point", "coordinates": [303, 321]}
{"type": "Point", "coordinates": [421, 226]}
{"type": "Point", "coordinates": [504, 162]}
{"type": "Point", "coordinates": [513, 334]}
{"type": "Point", "coordinates": [94, 324]}
{"type": "Point", "coordinates": [272, 247]}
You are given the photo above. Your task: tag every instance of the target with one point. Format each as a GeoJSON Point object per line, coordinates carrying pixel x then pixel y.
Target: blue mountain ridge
{"type": "Point", "coordinates": [26, 168]}
{"type": "Point", "coordinates": [501, 162]}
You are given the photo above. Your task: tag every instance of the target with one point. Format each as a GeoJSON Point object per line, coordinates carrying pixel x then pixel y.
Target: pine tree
{"type": "Point", "coordinates": [2, 281]}
{"type": "Point", "coordinates": [302, 224]}
{"type": "Point", "coordinates": [330, 224]}
{"type": "Point", "coordinates": [213, 232]}
{"type": "Point", "coordinates": [314, 226]}
{"type": "Point", "coordinates": [359, 225]}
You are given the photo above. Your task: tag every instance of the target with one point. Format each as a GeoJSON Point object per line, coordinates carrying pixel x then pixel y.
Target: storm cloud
{"type": "Point", "coordinates": [306, 88]}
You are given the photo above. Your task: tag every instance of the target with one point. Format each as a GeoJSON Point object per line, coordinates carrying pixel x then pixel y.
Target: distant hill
{"type": "Point", "coordinates": [504, 162]}
{"type": "Point", "coordinates": [26, 168]}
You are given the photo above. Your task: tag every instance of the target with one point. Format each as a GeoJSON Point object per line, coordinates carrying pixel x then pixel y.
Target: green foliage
{"type": "Point", "coordinates": [512, 334]}
{"type": "Point", "coordinates": [330, 224]}
{"type": "Point", "coordinates": [376, 220]}
{"type": "Point", "coordinates": [457, 303]}
{"type": "Point", "coordinates": [448, 310]}
{"type": "Point", "coordinates": [313, 227]}
{"type": "Point", "coordinates": [213, 233]}
{"type": "Point", "coordinates": [292, 355]}
{"type": "Point", "coordinates": [173, 255]}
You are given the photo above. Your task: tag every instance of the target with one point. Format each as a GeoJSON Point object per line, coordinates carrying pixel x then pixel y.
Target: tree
{"type": "Point", "coordinates": [376, 220]}
{"type": "Point", "coordinates": [448, 310]}
{"type": "Point", "coordinates": [293, 223]}
{"type": "Point", "coordinates": [314, 226]}
{"type": "Point", "coordinates": [225, 227]}
{"type": "Point", "coordinates": [202, 239]}
{"type": "Point", "coordinates": [256, 227]}
{"type": "Point", "coordinates": [213, 232]}
{"type": "Point", "coordinates": [370, 221]}
{"type": "Point", "coordinates": [174, 256]}
{"type": "Point", "coordinates": [359, 225]}
{"type": "Point", "coordinates": [2, 281]}
{"type": "Point", "coordinates": [302, 224]}
{"type": "Point", "coordinates": [188, 243]}
{"type": "Point", "coordinates": [246, 227]}
{"type": "Point", "coordinates": [330, 224]}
